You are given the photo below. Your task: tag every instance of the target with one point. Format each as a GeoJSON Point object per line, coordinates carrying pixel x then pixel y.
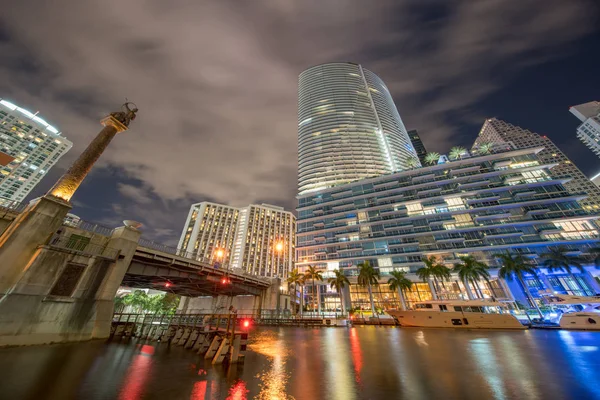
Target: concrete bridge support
{"type": "Point", "coordinates": [53, 287]}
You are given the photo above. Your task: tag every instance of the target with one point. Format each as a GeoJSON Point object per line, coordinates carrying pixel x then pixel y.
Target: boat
{"type": "Point", "coordinates": [458, 314]}
{"type": "Point", "coordinates": [574, 312]}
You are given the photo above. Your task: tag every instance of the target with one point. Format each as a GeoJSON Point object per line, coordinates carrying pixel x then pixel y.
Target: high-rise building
{"type": "Point", "coordinates": [478, 206]}
{"type": "Point", "coordinates": [348, 127]}
{"type": "Point", "coordinates": [29, 147]}
{"type": "Point", "coordinates": [495, 131]}
{"type": "Point", "coordinates": [418, 145]}
{"type": "Point", "coordinates": [258, 239]}
{"type": "Point", "coordinates": [589, 130]}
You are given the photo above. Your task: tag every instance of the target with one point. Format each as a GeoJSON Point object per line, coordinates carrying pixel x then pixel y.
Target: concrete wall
{"type": "Point", "coordinates": [34, 254]}
{"type": "Point", "coordinates": [30, 315]}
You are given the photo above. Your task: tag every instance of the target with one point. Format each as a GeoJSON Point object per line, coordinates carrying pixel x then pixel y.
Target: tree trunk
{"type": "Point", "coordinates": [301, 300]}
{"type": "Point", "coordinates": [469, 293]}
{"type": "Point", "coordinates": [476, 282]}
{"type": "Point", "coordinates": [371, 299]}
{"type": "Point", "coordinates": [437, 286]}
{"type": "Point", "coordinates": [402, 300]}
{"type": "Point", "coordinates": [530, 298]}
{"type": "Point", "coordinates": [342, 301]}
{"type": "Point", "coordinates": [432, 288]}
{"type": "Point", "coordinates": [319, 299]}
{"type": "Point", "coordinates": [314, 296]}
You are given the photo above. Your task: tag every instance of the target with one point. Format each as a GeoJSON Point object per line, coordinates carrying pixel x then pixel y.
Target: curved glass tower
{"type": "Point", "coordinates": [348, 128]}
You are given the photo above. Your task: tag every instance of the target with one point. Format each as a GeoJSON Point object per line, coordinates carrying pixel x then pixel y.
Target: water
{"type": "Point", "coordinates": [329, 363]}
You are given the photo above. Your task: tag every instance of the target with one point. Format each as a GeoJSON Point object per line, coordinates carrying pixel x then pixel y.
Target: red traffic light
{"type": "Point", "coordinates": [246, 323]}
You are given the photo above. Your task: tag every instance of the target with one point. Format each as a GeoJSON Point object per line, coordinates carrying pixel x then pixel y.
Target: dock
{"type": "Point", "coordinates": [219, 337]}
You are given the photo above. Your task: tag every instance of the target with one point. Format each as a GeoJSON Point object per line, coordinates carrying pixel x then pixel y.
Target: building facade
{"type": "Point", "coordinates": [258, 239]}
{"type": "Point", "coordinates": [29, 147]}
{"type": "Point", "coordinates": [589, 130]}
{"type": "Point", "coordinates": [495, 131]}
{"type": "Point", "coordinates": [477, 206]}
{"type": "Point", "coordinates": [348, 127]}
{"type": "Point", "coordinates": [418, 145]}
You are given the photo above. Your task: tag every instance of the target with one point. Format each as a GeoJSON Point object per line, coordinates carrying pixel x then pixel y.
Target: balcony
{"type": "Point", "coordinates": [482, 199]}
{"type": "Point", "coordinates": [503, 235]}
{"type": "Point", "coordinates": [491, 216]}
{"type": "Point", "coordinates": [451, 240]}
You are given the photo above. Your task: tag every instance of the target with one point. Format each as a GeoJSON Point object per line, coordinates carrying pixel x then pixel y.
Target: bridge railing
{"type": "Point", "coordinates": [150, 244]}
{"type": "Point", "coordinates": [89, 227]}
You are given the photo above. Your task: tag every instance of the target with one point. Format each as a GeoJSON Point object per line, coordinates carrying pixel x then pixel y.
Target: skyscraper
{"type": "Point", "coordinates": [589, 130]}
{"type": "Point", "coordinates": [418, 145]}
{"type": "Point", "coordinates": [29, 147]}
{"type": "Point", "coordinates": [348, 127]}
{"type": "Point", "coordinates": [479, 206]}
{"type": "Point", "coordinates": [258, 239]}
{"type": "Point", "coordinates": [496, 131]}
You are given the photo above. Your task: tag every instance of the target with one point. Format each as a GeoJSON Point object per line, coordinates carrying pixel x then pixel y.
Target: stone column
{"type": "Point", "coordinates": [70, 181]}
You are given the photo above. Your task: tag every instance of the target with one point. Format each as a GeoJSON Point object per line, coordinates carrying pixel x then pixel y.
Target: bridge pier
{"type": "Point", "coordinates": [60, 293]}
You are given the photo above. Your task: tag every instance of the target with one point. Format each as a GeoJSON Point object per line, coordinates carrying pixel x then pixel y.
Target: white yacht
{"type": "Point", "coordinates": [575, 312]}
{"type": "Point", "coordinates": [462, 314]}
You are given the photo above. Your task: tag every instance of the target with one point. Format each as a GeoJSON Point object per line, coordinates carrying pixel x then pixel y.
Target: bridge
{"type": "Point", "coordinates": [155, 265]}
{"type": "Point", "coordinates": [161, 267]}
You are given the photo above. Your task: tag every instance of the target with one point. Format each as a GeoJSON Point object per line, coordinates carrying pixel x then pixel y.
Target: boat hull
{"type": "Point", "coordinates": [456, 320]}
{"type": "Point", "coordinates": [580, 321]}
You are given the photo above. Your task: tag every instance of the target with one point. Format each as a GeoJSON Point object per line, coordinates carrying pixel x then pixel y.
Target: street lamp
{"type": "Point", "coordinates": [279, 247]}
{"type": "Point", "coordinates": [279, 250]}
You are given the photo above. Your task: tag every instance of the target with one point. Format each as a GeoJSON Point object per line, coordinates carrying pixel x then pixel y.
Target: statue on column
{"type": "Point", "coordinates": [114, 123]}
{"type": "Point", "coordinates": [126, 116]}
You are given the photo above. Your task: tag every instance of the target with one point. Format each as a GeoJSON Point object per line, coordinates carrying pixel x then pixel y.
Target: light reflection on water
{"type": "Point", "coordinates": [273, 380]}
{"type": "Point", "coordinates": [329, 363]}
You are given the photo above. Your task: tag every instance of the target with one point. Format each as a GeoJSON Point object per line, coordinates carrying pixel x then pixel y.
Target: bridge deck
{"type": "Point", "coordinates": [155, 269]}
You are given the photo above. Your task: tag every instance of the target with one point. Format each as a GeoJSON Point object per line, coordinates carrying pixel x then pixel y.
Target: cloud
{"type": "Point", "coordinates": [216, 82]}
{"type": "Point", "coordinates": [137, 194]}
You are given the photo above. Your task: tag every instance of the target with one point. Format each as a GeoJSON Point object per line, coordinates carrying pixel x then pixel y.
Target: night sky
{"type": "Point", "coordinates": [216, 85]}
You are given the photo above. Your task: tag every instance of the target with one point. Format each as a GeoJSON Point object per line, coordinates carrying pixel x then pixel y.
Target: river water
{"type": "Point", "coordinates": [328, 363]}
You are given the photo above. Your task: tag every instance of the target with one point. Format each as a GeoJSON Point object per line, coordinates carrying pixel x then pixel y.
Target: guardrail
{"type": "Point", "coordinates": [150, 244]}
{"type": "Point", "coordinates": [89, 227]}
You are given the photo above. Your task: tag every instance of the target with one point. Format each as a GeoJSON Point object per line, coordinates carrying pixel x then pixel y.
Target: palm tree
{"type": "Point", "coordinates": [432, 158]}
{"type": "Point", "coordinates": [441, 272]}
{"type": "Point", "coordinates": [412, 163]}
{"type": "Point", "coordinates": [315, 274]}
{"type": "Point", "coordinates": [426, 273]}
{"type": "Point", "coordinates": [471, 270]}
{"type": "Point", "coordinates": [296, 279]}
{"type": "Point", "coordinates": [367, 276]}
{"type": "Point", "coordinates": [517, 266]}
{"type": "Point", "coordinates": [339, 282]}
{"type": "Point", "coordinates": [457, 152]}
{"type": "Point", "coordinates": [558, 259]}
{"type": "Point", "coordinates": [400, 282]}
{"type": "Point", "coordinates": [484, 148]}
